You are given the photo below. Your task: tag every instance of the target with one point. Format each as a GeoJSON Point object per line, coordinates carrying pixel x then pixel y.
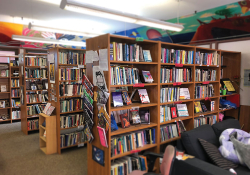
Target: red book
{"type": "Point", "coordinates": [173, 112]}
{"type": "Point", "coordinates": [185, 74]}
{"type": "Point", "coordinates": [171, 71]}
{"type": "Point", "coordinates": [177, 123]}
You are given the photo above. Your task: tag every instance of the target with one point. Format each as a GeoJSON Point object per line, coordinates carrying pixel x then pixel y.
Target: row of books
{"type": "Point", "coordinates": [169, 112]}
{"type": "Point", "coordinates": [203, 91]}
{"type": "Point", "coordinates": [205, 75]}
{"type": "Point", "coordinates": [15, 103]}
{"type": "Point", "coordinates": [4, 103]}
{"type": "Point", "coordinates": [171, 75]}
{"type": "Point", "coordinates": [209, 119]}
{"type": "Point", "coordinates": [176, 56]}
{"type": "Point", "coordinates": [14, 62]}
{"type": "Point", "coordinates": [70, 89]}
{"type": "Point", "coordinates": [16, 114]}
{"type": "Point", "coordinates": [33, 124]}
{"type": "Point", "coordinates": [34, 98]}
{"type": "Point", "coordinates": [172, 130]}
{"type": "Point", "coordinates": [207, 58]}
{"type": "Point", "coordinates": [200, 107]}
{"type": "Point", "coordinates": [35, 61]}
{"type": "Point", "coordinates": [35, 109]}
{"type": "Point", "coordinates": [72, 58]}
{"type": "Point", "coordinates": [15, 83]}
{"type": "Point", "coordinates": [132, 141]}
{"type": "Point", "coordinates": [15, 93]}
{"type": "Point", "coordinates": [125, 52]}
{"type": "Point", "coordinates": [36, 73]}
{"type": "Point", "coordinates": [70, 74]}
{"type": "Point", "coordinates": [127, 164]}
{"type": "Point", "coordinates": [73, 104]}
{"type": "Point", "coordinates": [170, 94]}
{"type": "Point", "coordinates": [5, 73]}
{"type": "Point", "coordinates": [72, 138]}
{"type": "Point", "coordinates": [37, 84]}
{"type": "Point", "coordinates": [71, 120]}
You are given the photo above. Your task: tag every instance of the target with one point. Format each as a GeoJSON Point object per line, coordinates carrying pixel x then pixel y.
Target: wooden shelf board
{"type": "Point", "coordinates": [132, 128]}
{"type": "Point", "coordinates": [131, 62]}
{"type": "Point", "coordinates": [133, 105]}
{"type": "Point", "coordinates": [197, 82]}
{"type": "Point", "coordinates": [5, 120]}
{"type": "Point", "coordinates": [15, 77]}
{"type": "Point", "coordinates": [14, 67]}
{"type": "Point", "coordinates": [36, 103]}
{"type": "Point", "coordinates": [183, 101]}
{"type": "Point", "coordinates": [4, 92]}
{"type": "Point", "coordinates": [15, 87]}
{"type": "Point", "coordinates": [36, 54]}
{"type": "Point", "coordinates": [173, 64]}
{"type": "Point", "coordinates": [37, 90]}
{"type": "Point", "coordinates": [197, 65]}
{"type": "Point", "coordinates": [43, 138]}
{"type": "Point", "coordinates": [36, 78]}
{"type": "Point", "coordinates": [228, 95]}
{"type": "Point", "coordinates": [145, 147]}
{"type": "Point", "coordinates": [68, 80]}
{"type": "Point", "coordinates": [225, 109]}
{"type": "Point", "coordinates": [70, 96]}
{"type": "Point", "coordinates": [69, 128]}
{"type": "Point", "coordinates": [35, 67]}
{"type": "Point", "coordinates": [13, 56]}
{"type": "Point", "coordinates": [41, 126]}
{"type": "Point", "coordinates": [73, 65]}
{"type": "Point", "coordinates": [4, 77]}
{"type": "Point", "coordinates": [15, 97]}
{"type": "Point", "coordinates": [176, 119]}
{"type": "Point", "coordinates": [72, 146]}
{"type": "Point", "coordinates": [204, 113]}
{"type": "Point", "coordinates": [16, 119]}
{"type": "Point", "coordinates": [35, 115]}
{"type": "Point", "coordinates": [198, 99]}
{"type": "Point", "coordinates": [71, 112]}
{"type": "Point", "coordinates": [33, 130]}
{"type": "Point", "coordinates": [5, 108]}
{"type": "Point", "coordinates": [170, 140]}
{"type": "Point", "coordinates": [131, 85]}
{"type": "Point", "coordinates": [43, 149]}
{"type": "Point", "coordinates": [177, 82]}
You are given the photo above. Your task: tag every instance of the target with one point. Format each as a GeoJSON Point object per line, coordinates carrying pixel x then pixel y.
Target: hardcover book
{"type": "Point", "coordinates": [147, 76]}
{"type": "Point", "coordinates": [147, 55]}
{"type": "Point", "coordinates": [117, 99]}
{"type": "Point", "coordinates": [143, 95]}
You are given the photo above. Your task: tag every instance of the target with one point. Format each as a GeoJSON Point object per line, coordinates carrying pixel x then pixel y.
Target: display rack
{"type": "Point", "coordinates": [103, 42]}
{"type": "Point", "coordinates": [30, 120]}
{"type": "Point", "coordinates": [54, 92]}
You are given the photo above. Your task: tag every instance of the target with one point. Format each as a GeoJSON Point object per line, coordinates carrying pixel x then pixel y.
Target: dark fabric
{"type": "Point", "coordinates": [225, 124]}
{"type": "Point", "coordinates": [241, 170]}
{"type": "Point", "coordinates": [214, 154]}
{"type": "Point", "coordinates": [179, 145]}
{"type": "Point", "coordinates": [197, 167]}
{"type": "Point", "coordinates": [193, 147]}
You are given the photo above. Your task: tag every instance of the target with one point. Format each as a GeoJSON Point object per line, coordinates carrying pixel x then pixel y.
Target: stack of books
{"type": "Point", "coordinates": [15, 93]}
{"type": "Point", "coordinates": [72, 58]}
{"type": "Point", "coordinates": [176, 56]}
{"type": "Point", "coordinates": [122, 75]}
{"type": "Point", "coordinates": [37, 73]}
{"type": "Point", "coordinates": [209, 119]}
{"type": "Point", "coordinates": [176, 75]}
{"type": "Point", "coordinates": [34, 98]}
{"type": "Point", "coordinates": [125, 52]}
{"type": "Point", "coordinates": [35, 109]}
{"type": "Point", "coordinates": [70, 89]}
{"type": "Point", "coordinates": [72, 138]}
{"type": "Point", "coordinates": [73, 104]}
{"type": "Point", "coordinates": [207, 58]}
{"type": "Point", "coordinates": [33, 124]}
{"type": "Point", "coordinates": [200, 107]}
{"type": "Point", "coordinates": [35, 61]}
{"type": "Point", "coordinates": [172, 130]}
{"type": "Point", "coordinates": [205, 75]}
{"type": "Point", "coordinates": [170, 94]}
{"type": "Point", "coordinates": [72, 120]}
{"type": "Point", "coordinates": [69, 74]}
{"type": "Point", "coordinates": [132, 141]}
{"type": "Point", "coordinates": [203, 91]}
{"type": "Point", "coordinates": [16, 114]}
{"type": "Point", "coordinates": [14, 82]}
{"type": "Point", "coordinates": [128, 164]}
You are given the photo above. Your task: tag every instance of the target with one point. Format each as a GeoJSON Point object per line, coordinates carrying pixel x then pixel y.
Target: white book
{"type": "Point", "coordinates": [147, 55]}
{"type": "Point", "coordinates": [70, 89]}
{"type": "Point", "coordinates": [169, 114]}
{"type": "Point", "coordinates": [184, 94]}
{"type": "Point", "coordinates": [161, 114]}
{"type": "Point", "coordinates": [182, 110]}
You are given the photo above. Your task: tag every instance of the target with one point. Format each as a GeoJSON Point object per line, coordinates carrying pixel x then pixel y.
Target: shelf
{"type": "Point", "coordinates": [72, 146]}
{"type": "Point", "coordinates": [170, 140]}
{"type": "Point", "coordinates": [14, 67]}
{"type": "Point", "coordinates": [173, 64]}
{"type": "Point", "coordinates": [133, 105]}
{"type": "Point", "coordinates": [204, 113]}
{"type": "Point", "coordinates": [198, 99]}
{"type": "Point", "coordinates": [36, 78]}
{"type": "Point", "coordinates": [37, 90]}
{"type": "Point", "coordinates": [70, 127]}
{"type": "Point", "coordinates": [41, 126]}
{"type": "Point", "coordinates": [6, 108]}
{"type": "Point", "coordinates": [200, 82]}
{"type": "Point", "coordinates": [15, 97]}
{"type": "Point", "coordinates": [183, 101]}
{"type": "Point", "coordinates": [145, 147]}
{"type": "Point", "coordinates": [36, 54]}
{"type": "Point", "coordinates": [223, 110]}
{"type": "Point", "coordinates": [36, 103]}
{"type": "Point", "coordinates": [33, 130]}
{"type": "Point", "coordinates": [177, 82]}
{"type": "Point", "coordinates": [35, 115]}
{"type": "Point", "coordinates": [35, 67]}
{"type": "Point", "coordinates": [4, 92]}
{"type": "Point", "coordinates": [228, 95]}
{"type": "Point", "coordinates": [43, 138]}
{"type": "Point", "coordinates": [4, 77]}
{"type": "Point", "coordinates": [131, 85]}
{"type": "Point", "coordinates": [68, 80]}
{"type": "Point", "coordinates": [132, 128]}
{"type": "Point", "coordinates": [43, 149]}
{"type": "Point", "coordinates": [16, 119]}
{"type": "Point", "coordinates": [197, 65]}
{"type": "Point", "coordinates": [5, 120]}
{"type": "Point", "coordinates": [70, 96]}
{"type": "Point", "coordinates": [71, 112]}
{"type": "Point", "coordinates": [15, 87]}
{"type": "Point", "coordinates": [73, 65]}
{"type": "Point", "coordinates": [13, 56]}
{"type": "Point", "coordinates": [176, 119]}
{"type": "Point", "coordinates": [15, 77]}
{"type": "Point", "coordinates": [131, 62]}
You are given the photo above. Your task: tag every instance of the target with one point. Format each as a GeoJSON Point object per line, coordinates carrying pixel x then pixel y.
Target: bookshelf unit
{"type": "Point", "coordinates": [7, 81]}
{"type": "Point", "coordinates": [27, 65]}
{"type": "Point", "coordinates": [103, 42]}
{"type": "Point", "coordinates": [54, 93]}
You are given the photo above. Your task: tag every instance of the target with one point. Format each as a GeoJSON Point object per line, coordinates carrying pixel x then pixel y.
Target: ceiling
{"type": "Point", "coordinates": [51, 15]}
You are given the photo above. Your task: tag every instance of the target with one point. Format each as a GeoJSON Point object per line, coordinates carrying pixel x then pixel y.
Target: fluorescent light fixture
{"type": "Point", "coordinates": [48, 41]}
{"type": "Point", "coordinates": [54, 30]}
{"type": "Point", "coordinates": [116, 15]}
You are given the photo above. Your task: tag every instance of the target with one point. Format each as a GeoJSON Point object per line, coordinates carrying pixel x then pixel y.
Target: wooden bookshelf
{"type": "Point", "coordinates": [103, 42]}
{"type": "Point", "coordinates": [24, 55]}
{"type": "Point", "coordinates": [54, 92]}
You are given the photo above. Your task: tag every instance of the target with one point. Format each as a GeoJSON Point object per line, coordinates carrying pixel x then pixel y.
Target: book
{"type": "Point", "coordinates": [145, 116]}
{"type": "Point", "coordinates": [147, 76]}
{"type": "Point", "coordinates": [176, 56]}
{"type": "Point", "coordinates": [197, 107]}
{"type": "Point", "coordinates": [171, 75]}
{"type": "Point", "coordinates": [184, 94]}
{"type": "Point", "coordinates": [207, 58]}
{"type": "Point", "coordinates": [203, 91]}
{"type": "Point", "coordinates": [182, 110]}
{"type": "Point", "coordinates": [205, 75]}
{"type": "Point", "coordinates": [117, 99]}
{"type": "Point", "coordinates": [125, 120]}
{"type": "Point", "coordinates": [72, 120]}
{"type": "Point", "coordinates": [126, 98]}
{"type": "Point", "coordinates": [173, 112]}
{"type": "Point", "coordinates": [143, 96]}
{"type": "Point", "coordinates": [102, 136]}
{"type": "Point", "coordinates": [203, 106]}
{"type": "Point", "coordinates": [3, 88]}
{"type": "Point", "coordinates": [147, 55]}
{"type": "Point", "coordinates": [209, 119]}
{"type": "Point", "coordinates": [212, 104]}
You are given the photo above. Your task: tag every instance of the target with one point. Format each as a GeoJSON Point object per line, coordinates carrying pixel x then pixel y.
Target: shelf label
{"type": "Point", "coordinates": [205, 82]}
{"type": "Point", "coordinates": [177, 84]}
{"type": "Point", "coordinates": [207, 98]}
{"type": "Point", "coordinates": [139, 39]}
{"type": "Point", "coordinates": [138, 85]}
{"type": "Point", "coordinates": [80, 144]}
{"type": "Point", "coordinates": [178, 102]}
{"type": "Point", "coordinates": [178, 65]}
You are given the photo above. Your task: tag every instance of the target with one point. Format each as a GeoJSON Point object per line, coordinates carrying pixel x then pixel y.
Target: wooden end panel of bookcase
{"type": "Point", "coordinates": [100, 42]}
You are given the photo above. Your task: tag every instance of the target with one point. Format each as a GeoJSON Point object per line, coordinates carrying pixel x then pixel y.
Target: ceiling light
{"type": "Point", "coordinates": [116, 15]}
{"type": "Point", "coordinates": [54, 30]}
{"type": "Point", "coordinates": [48, 41]}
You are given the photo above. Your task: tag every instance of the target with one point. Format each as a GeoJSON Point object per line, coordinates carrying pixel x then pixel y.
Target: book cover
{"type": "Point", "coordinates": [126, 97]}
{"type": "Point", "coordinates": [145, 116]}
{"type": "Point", "coordinates": [184, 94]}
{"type": "Point", "coordinates": [117, 99]}
{"type": "Point", "coordinates": [143, 95]}
{"type": "Point", "coordinates": [147, 55]}
{"type": "Point", "coordinates": [204, 108]}
{"type": "Point", "coordinates": [173, 112]}
{"type": "Point", "coordinates": [147, 76]}
{"type": "Point", "coordinates": [102, 136]}
{"type": "Point", "coordinates": [182, 110]}
{"type": "Point", "coordinates": [3, 88]}
{"type": "Point", "coordinates": [98, 155]}
{"type": "Point", "coordinates": [125, 120]}
{"type": "Point", "coordinates": [197, 107]}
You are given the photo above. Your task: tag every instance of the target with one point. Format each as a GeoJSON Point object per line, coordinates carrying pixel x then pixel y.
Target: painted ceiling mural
{"type": "Point", "coordinates": [224, 22]}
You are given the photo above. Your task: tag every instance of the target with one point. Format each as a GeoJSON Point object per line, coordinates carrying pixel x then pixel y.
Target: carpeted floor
{"type": "Point", "coordinates": [20, 155]}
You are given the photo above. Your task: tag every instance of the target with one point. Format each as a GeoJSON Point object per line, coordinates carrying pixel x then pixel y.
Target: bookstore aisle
{"type": "Point", "coordinates": [19, 154]}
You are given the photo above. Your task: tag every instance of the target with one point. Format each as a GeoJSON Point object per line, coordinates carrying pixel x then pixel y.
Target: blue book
{"type": "Point", "coordinates": [111, 52]}
{"type": "Point", "coordinates": [127, 51]}
{"type": "Point", "coordinates": [153, 135]}
{"type": "Point", "coordinates": [133, 80]}
{"type": "Point", "coordinates": [117, 99]}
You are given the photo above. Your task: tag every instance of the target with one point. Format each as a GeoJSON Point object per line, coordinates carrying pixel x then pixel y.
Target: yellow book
{"type": "Point", "coordinates": [60, 74]}
{"type": "Point", "coordinates": [183, 56]}
{"type": "Point", "coordinates": [114, 50]}
{"type": "Point", "coordinates": [164, 119]}
{"type": "Point", "coordinates": [172, 95]}
{"type": "Point", "coordinates": [150, 136]}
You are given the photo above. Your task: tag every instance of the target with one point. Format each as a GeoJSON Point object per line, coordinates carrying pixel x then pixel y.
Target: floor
{"type": "Point", "coordinates": [20, 155]}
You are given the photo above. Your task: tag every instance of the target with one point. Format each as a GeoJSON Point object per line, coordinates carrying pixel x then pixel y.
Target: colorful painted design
{"type": "Point", "coordinates": [224, 22]}
{"type": "Point", "coordinates": [6, 32]}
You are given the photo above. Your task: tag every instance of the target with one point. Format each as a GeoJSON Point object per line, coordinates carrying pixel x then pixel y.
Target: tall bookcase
{"type": "Point", "coordinates": [26, 54]}
{"type": "Point", "coordinates": [7, 81]}
{"type": "Point", "coordinates": [153, 89]}
{"type": "Point", "coordinates": [54, 92]}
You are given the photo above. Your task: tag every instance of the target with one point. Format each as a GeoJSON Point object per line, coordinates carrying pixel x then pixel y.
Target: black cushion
{"type": "Point", "coordinates": [225, 124]}
{"type": "Point", "coordinates": [214, 154]}
{"type": "Point", "coordinates": [242, 170]}
{"type": "Point", "coordinates": [192, 145]}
